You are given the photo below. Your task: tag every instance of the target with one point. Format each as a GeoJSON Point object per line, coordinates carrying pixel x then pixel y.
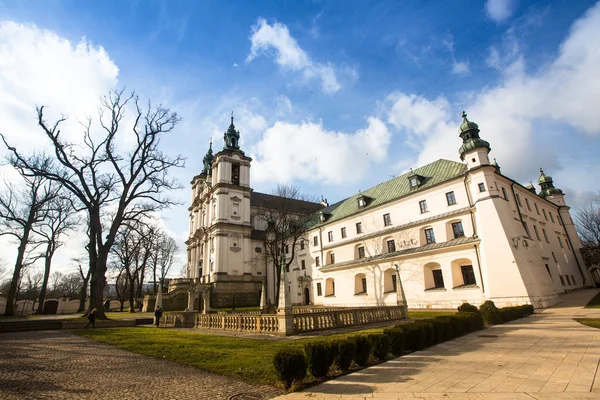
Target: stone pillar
{"type": "Point", "coordinates": [159, 297]}
{"type": "Point", "coordinates": [206, 302]}
{"type": "Point", "coordinates": [284, 312]}
{"type": "Point", "coordinates": [263, 296]}
{"type": "Point", "coordinates": [400, 296]}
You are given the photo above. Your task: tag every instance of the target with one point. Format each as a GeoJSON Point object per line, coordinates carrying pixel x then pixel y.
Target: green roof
{"type": "Point", "coordinates": [394, 189]}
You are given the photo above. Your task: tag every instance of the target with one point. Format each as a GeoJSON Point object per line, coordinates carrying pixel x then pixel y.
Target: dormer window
{"type": "Point", "coordinates": [363, 201]}
{"type": "Point", "coordinates": [415, 181]}
{"type": "Point", "coordinates": [323, 216]}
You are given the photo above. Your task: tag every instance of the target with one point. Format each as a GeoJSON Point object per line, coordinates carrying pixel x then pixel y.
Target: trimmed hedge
{"type": "Point", "coordinates": [490, 313]}
{"type": "Point", "coordinates": [414, 335]}
{"type": "Point", "coordinates": [319, 356]}
{"type": "Point", "coordinates": [346, 351]}
{"type": "Point", "coordinates": [512, 313]}
{"type": "Point", "coordinates": [466, 307]}
{"type": "Point", "coordinates": [396, 336]}
{"type": "Point", "coordinates": [290, 365]}
{"type": "Point", "coordinates": [363, 350]}
{"type": "Point", "coordinates": [380, 345]}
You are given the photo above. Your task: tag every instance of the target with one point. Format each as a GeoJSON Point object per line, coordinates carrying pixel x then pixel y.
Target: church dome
{"type": "Point", "coordinates": [467, 125]}
{"type": "Point", "coordinates": [544, 178]}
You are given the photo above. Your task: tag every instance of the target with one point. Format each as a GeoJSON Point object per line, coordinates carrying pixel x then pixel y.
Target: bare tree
{"type": "Point", "coordinates": [167, 249]}
{"type": "Point", "coordinates": [58, 223]}
{"type": "Point", "coordinates": [127, 251]}
{"type": "Point", "coordinates": [111, 186]}
{"type": "Point", "coordinates": [21, 211]}
{"type": "Point", "coordinates": [85, 278]}
{"type": "Point", "coordinates": [287, 215]}
{"type": "Point", "coordinates": [587, 221]}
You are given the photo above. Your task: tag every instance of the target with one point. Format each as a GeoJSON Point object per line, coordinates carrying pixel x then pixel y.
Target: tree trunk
{"type": "Point", "coordinates": [11, 298]}
{"type": "Point", "coordinates": [131, 293]}
{"type": "Point", "coordinates": [155, 287]}
{"type": "Point", "coordinates": [141, 282]}
{"type": "Point", "coordinates": [47, 263]}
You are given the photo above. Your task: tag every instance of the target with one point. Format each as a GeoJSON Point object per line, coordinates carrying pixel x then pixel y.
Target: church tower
{"type": "Point", "coordinates": [474, 150]}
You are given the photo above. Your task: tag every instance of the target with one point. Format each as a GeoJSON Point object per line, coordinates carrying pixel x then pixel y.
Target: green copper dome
{"type": "Point", "coordinates": [467, 125]}
{"type": "Point", "coordinates": [207, 160]}
{"type": "Point", "coordinates": [547, 185]}
{"type": "Point", "coordinates": [232, 137]}
{"type": "Point", "coordinates": [543, 177]}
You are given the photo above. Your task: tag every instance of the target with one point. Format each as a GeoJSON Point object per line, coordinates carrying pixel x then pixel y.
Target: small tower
{"type": "Point", "coordinates": [474, 150]}
{"type": "Point", "coordinates": [207, 161]}
{"type": "Point", "coordinates": [549, 192]}
{"type": "Point", "coordinates": [232, 138]}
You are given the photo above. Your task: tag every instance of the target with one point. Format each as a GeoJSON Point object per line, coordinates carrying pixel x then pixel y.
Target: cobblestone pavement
{"type": "Point", "coordinates": [59, 365]}
{"type": "Point", "coordinates": [544, 356]}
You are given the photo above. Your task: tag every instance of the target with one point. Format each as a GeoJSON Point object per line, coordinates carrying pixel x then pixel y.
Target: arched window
{"type": "Point", "coordinates": [330, 258]}
{"type": "Point", "coordinates": [463, 273]}
{"type": "Point", "coordinates": [360, 284]}
{"type": "Point", "coordinates": [433, 277]}
{"type": "Point", "coordinates": [389, 281]}
{"type": "Point", "coordinates": [329, 287]}
{"type": "Point", "coordinates": [359, 251]}
{"type": "Point", "coordinates": [427, 235]}
{"type": "Point", "coordinates": [388, 245]}
{"type": "Point", "coordinates": [454, 229]}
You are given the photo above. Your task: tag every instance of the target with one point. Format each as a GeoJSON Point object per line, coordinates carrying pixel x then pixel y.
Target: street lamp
{"type": "Point", "coordinates": [402, 299]}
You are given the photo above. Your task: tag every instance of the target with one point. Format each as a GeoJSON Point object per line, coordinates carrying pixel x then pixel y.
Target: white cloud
{"type": "Point", "coordinates": [562, 94]}
{"type": "Point", "coordinates": [307, 151]}
{"type": "Point", "coordinates": [461, 68]}
{"type": "Point", "coordinates": [499, 10]}
{"type": "Point", "coordinates": [289, 55]}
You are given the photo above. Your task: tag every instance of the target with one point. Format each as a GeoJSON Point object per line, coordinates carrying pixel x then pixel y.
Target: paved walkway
{"type": "Point", "coordinates": [544, 356]}
{"type": "Point", "coordinates": [59, 365]}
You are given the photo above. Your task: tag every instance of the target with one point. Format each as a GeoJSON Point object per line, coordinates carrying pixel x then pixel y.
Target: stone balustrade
{"type": "Point", "coordinates": [317, 320]}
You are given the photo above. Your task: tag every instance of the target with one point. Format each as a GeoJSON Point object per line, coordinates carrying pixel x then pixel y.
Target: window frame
{"type": "Point", "coordinates": [387, 220]}
{"type": "Point", "coordinates": [315, 240]}
{"type": "Point", "coordinates": [392, 248]}
{"type": "Point", "coordinates": [481, 187]}
{"type": "Point", "coordinates": [330, 236]}
{"type": "Point", "coordinates": [343, 232]}
{"type": "Point", "coordinates": [317, 261]}
{"type": "Point", "coordinates": [466, 273]}
{"type": "Point", "coordinates": [429, 235]}
{"type": "Point", "coordinates": [331, 258]}
{"type": "Point", "coordinates": [505, 193]}
{"type": "Point", "coordinates": [302, 264]}
{"type": "Point", "coordinates": [461, 230]}
{"type": "Point", "coordinates": [319, 289]}
{"type": "Point", "coordinates": [451, 198]}
{"type": "Point", "coordinates": [359, 228]}
{"type": "Point", "coordinates": [438, 284]}
{"type": "Point", "coordinates": [361, 249]}
{"type": "Point", "coordinates": [423, 206]}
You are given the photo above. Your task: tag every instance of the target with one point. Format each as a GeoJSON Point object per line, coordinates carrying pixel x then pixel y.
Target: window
{"type": "Point", "coordinates": [287, 249]}
{"type": "Point", "coordinates": [519, 200]}
{"type": "Point", "coordinates": [568, 244]}
{"type": "Point", "coordinates": [361, 252]}
{"type": "Point", "coordinates": [568, 280]}
{"type": "Point", "coordinates": [316, 241]}
{"type": "Point", "coordinates": [562, 280]}
{"type": "Point", "coordinates": [450, 198]}
{"type": "Point", "coordinates": [387, 221]}
{"type": "Point", "coordinates": [423, 206]}
{"type": "Point", "coordinates": [537, 234]}
{"type": "Point", "coordinates": [303, 263]}
{"type": "Point", "coordinates": [302, 244]}
{"type": "Point", "coordinates": [468, 275]}
{"type": "Point", "coordinates": [549, 273]}
{"type": "Point", "coordinates": [235, 174]}
{"type": "Point", "coordinates": [457, 229]}
{"type": "Point", "coordinates": [545, 216]}
{"type": "Point", "coordinates": [429, 236]}
{"type": "Point", "coordinates": [317, 261]}
{"type": "Point", "coordinates": [526, 229]}
{"type": "Point", "coordinates": [364, 285]}
{"type": "Point", "coordinates": [359, 227]}
{"type": "Point", "coordinates": [438, 278]}
{"type": "Point", "coordinates": [528, 205]}
{"type": "Point", "coordinates": [481, 187]}
{"type": "Point", "coordinates": [391, 245]}
{"type": "Point", "coordinates": [560, 242]}
{"type": "Point", "coordinates": [504, 194]}
{"type": "Point", "coordinates": [545, 236]}
{"type": "Point", "coordinates": [414, 182]}
{"type": "Point", "coordinates": [330, 236]}
{"type": "Point", "coordinates": [332, 258]}
{"type": "Point", "coordinates": [319, 289]}
{"type": "Point", "coordinates": [394, 283]}
{"type": "Point", "coordinates": [361, 202]}
{"type": "Point", "coordinates": [551, 217]}
{"type": "Point", "coordinates": [554, 257]}
{"type": "Point", "coordinates": [343, 233]}
{"type": "Point", "coordinates": [573, 280]}
{"type": "Point", "coordinates": [537, 209]}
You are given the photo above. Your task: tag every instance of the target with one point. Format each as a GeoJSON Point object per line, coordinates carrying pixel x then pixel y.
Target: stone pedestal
{"type": "Point", "coordinates": [206, 302]}
{"type": "Point", "coordinates": [400, 296]}
{"type": "Point", "coordinates": [284, 312]}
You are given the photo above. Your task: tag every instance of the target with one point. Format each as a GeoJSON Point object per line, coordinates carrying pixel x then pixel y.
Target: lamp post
{"type": "Point", "coordinates": [402, 299]}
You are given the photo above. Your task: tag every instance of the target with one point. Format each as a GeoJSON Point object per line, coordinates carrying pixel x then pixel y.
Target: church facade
{"type": "Point", "coordinates": [445, 233]}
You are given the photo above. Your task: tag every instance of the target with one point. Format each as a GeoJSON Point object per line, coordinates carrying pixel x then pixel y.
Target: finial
{"type": "Point", "coordinates": [495, 160]}
{"type": "Point", "coordinates": [210, 144]}
{"type": "Point", "coordinates": [232, 117]}
{"type": "Point", "coordinates": [464, 115]}
{"type": "Point", "coordinates": [541, 170]}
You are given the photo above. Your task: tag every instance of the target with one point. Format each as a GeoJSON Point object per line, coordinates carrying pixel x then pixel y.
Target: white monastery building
{"type": "Point", "coordinates": [448, 232]}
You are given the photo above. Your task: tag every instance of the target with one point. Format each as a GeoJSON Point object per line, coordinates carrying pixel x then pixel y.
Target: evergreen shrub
{"type": "Point", "coordinates": [490, 313]}
{"type": "Point", "coordinates": [346, 352]}
{"type": "Point", "coordinates": [363, 350]}
{"type": "Point", "coordinates": [319, 358]}
{"type": "Point", "coordinates": [466, 307]}
{"type": "Point", "coordinates": [396, 336]}
{"type": "Point", "coordinates": [290, 366]}
{"type": "Point", "coordinates": [380, 345]}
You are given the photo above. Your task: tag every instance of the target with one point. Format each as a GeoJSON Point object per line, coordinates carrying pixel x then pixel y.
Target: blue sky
{"type": "Point", "coordinates": [334, 96]}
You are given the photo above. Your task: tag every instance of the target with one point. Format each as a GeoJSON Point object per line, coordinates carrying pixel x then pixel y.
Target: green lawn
{"type": "Point", "coordinates": [594, 303]}
{"type": "Point", "coordinates": [429, 314]}
{"type": "Point", "coordinates": [593, 322]}
{"type": "Point", "coordinates": [250, 360]}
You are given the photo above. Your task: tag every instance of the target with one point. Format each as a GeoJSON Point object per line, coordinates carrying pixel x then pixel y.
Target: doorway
{"type": "Point", "coordinates": [306, 297]}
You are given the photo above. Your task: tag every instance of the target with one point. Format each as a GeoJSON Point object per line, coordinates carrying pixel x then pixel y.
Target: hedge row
{"type": "Point", "coordinates": [493, 315]}
{"type": "Point", "coordinates": [319, 356]}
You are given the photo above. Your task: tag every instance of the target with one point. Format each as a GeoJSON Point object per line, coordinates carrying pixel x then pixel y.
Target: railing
{"type": "Point", "coordinates": [302, 322]}
{"type": "Point", "coordinates": [322, 320]}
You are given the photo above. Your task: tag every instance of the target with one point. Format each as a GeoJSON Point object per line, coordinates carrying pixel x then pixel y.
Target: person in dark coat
{"type": "Point", "coordinates": [92, 318]}
{"type": "Point", "coordinates": [157, 315]}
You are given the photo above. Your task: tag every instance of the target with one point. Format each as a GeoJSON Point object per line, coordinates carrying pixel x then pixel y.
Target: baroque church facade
{"type": "Point", "coordinates": [445, 233]}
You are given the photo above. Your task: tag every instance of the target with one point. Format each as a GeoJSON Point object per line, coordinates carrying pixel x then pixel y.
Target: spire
{"type": "Point", "coordinates": [232, 137]}
{"type": "Point", "coordinates": [207, 160]}
{"type": "Point", "coordinates": [469, 133]}
{"type": "Point", "coordinates": [495, 164]}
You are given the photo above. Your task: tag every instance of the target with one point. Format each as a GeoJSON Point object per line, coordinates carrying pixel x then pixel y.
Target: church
{"type": "Point", "coordinates": [443, 234]}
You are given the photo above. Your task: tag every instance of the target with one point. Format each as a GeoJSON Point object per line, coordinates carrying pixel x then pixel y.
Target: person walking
{"type": "Point", "coordinates": [92, 318]}
{"type": "Point", "coordinates": [157, 315]}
